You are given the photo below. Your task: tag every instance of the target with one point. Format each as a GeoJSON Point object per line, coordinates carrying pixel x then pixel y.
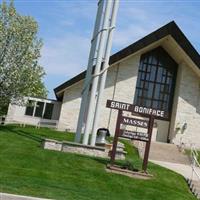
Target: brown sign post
{"type": "Point", "coordinates": [145, 112]}
{"type": "Point", "coordinates": [115, 141]}
{"type": "Point", "coordinates": [148, 144]}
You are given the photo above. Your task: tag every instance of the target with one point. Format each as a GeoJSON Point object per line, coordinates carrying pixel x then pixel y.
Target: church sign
{"type": "Point", "coordinates": [144, 112]}
{"type": "Point", "coordinates": [136, 109]}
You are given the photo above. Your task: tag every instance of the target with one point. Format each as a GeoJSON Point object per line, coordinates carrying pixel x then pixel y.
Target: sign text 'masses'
{"type": "Point", "coordinates": [135, 109]}
{"type": "Point", "coordinates": [134, 122]}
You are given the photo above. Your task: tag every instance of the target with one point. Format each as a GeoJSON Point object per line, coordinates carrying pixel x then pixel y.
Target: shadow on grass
{"type": "Point", "coordinates": [27, 134]}
{"type": "Point", "coordinates": [104, 161]}
{"type": "Point", "coordinates": [22, 133]}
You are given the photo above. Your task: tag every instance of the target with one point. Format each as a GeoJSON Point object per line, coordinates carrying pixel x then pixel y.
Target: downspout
{"type": "Point", "coordinates": [113, 96]}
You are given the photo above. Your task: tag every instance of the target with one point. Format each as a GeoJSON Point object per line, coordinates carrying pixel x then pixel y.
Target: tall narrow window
{"type": "Point", "coordinates": [39, 109]}
{"type": "Point", "coordinates": [48, 111]}
{"type": "Point", "coordinates": [156, 80]}
{"type": "Point", "coordinates": [29, 108]}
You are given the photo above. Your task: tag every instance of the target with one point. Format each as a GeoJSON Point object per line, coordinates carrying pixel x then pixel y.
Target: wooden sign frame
{"type": "Point", "coordinates": [149, 113]}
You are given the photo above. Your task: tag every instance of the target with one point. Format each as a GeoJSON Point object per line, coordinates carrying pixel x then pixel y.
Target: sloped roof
{"type": "Point", "coordinates": [168, 29]}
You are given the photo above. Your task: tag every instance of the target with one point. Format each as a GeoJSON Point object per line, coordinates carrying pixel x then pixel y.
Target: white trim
{"type": "Point", "coordinates": [34, 109]}
{"type": "Point", "coordinates": [44, 108]}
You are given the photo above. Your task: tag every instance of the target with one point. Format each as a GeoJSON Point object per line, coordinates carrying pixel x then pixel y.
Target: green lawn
{"type": "Point", "coordinates": [27, 169]}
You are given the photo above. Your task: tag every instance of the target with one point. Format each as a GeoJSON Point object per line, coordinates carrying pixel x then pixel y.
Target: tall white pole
{"type": "Point", "coordinates": [100, 54]}
{"type": "Point", "coordinates": [104, 74]}
{"type": "Point", "coordinates": [86, 86]}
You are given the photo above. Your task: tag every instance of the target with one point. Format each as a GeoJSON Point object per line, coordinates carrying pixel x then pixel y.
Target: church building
{"type": "Point", "coordinates": [160, 71]}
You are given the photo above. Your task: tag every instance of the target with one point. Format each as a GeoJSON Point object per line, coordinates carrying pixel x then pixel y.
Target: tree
{"type": "Point", "coordinates": [20, 73]}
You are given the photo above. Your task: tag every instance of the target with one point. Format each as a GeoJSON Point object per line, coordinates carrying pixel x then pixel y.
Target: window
{"type": "Point", "coordinates": [48, 111]}
{"type": "Point", "coordinates": [30, 108]}
{"type": "Point", "coordinates": [156, 80]}
{"type": "Point", "coordinates": [39, 109]}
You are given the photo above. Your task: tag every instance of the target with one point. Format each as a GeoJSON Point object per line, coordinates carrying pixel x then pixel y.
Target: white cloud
{"type": "Point", "coordinates": [68, 55]}
{"type": "Point", "coordinates": [67, 23]}
{"type": "Point", "coordinates": [134, 23]}
{"type": "Point", "coordinates": [65, 56]}
{"type": "Point", "coordinates": [128, 35]}
{"type": "Point", "coordinates": [134, 12]}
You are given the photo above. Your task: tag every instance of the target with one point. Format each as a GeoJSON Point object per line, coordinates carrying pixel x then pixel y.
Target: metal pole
{"type": "Point", "coordinates": [86, 85]}
{"type": "Point", "coordinates": [100, 54]}
{"type": "Point", "coordinates": [104, 75]}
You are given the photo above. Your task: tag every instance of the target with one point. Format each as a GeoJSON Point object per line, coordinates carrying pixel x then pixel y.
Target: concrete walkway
{"type": "Point", "coordinates": [5, 196]}
{"type": "Point", "coordinates": [184, 170]}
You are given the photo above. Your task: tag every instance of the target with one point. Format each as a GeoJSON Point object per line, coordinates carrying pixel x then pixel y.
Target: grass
{"type": "Point", "coordinates": [188, 152]}
{"type": "Point", "coordinates": [27, 169]}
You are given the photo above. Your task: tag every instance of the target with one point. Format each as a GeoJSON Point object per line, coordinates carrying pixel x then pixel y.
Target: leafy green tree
{"type": "Point", "coordinates": [20, 73]}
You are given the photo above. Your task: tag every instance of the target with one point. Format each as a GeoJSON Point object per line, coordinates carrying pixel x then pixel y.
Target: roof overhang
{"type": "Point", "coordinates": [179, 55]}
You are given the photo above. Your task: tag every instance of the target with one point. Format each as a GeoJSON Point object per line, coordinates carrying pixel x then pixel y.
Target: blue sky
{"type": "Point", "coordinates": [66, 27]}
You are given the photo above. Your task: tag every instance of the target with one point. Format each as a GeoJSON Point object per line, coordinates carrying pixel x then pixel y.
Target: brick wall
{"type": "Point", "coordinates": [120, 85]}
{"type": "Point", "coordinates": [188, 107]}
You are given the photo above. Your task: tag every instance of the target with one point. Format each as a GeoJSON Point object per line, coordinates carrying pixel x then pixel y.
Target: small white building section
{"type": "Point", "coordinates": [35, 111]}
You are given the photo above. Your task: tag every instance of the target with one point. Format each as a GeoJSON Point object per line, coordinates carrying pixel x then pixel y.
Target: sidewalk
{"type": "Point", "coordinates": [184, 170]}
{"type": "Point", "coordinates": [5, 196]}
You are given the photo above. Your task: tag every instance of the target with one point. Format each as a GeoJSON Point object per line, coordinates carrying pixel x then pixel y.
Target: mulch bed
{"type": "Point", "coordinates": [133, 174]}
